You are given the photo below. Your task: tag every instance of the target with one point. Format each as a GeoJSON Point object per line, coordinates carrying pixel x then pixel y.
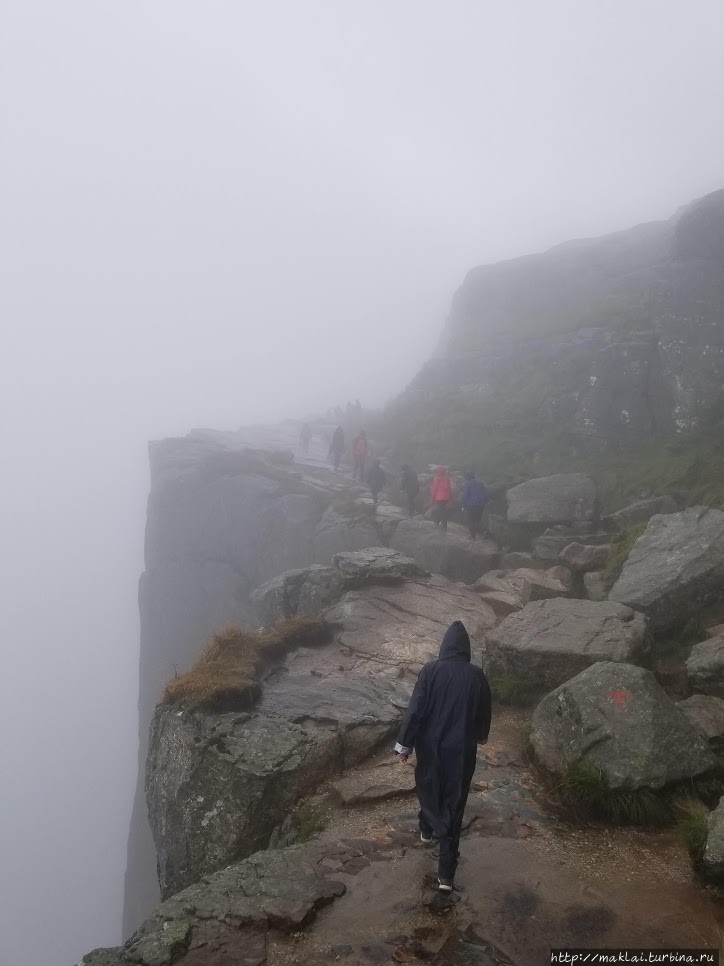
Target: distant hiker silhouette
{"type": "Point", "coordinates": [360, 448]}
{"type": "Point", "coordinates": [410, 486]}
{"type": "Point", "coordinates": [376, 479]}
{"type": "Point", "coordinates": [448, 715]}
{"type": "Point", "coordinates": [441, 493]}
{"type": "Point", "coordinates": [336, 447]}
{"type": "Point", "coordinates": [474, 499]}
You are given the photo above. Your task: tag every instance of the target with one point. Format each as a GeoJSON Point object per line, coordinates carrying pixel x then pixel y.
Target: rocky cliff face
{"type": "Point", "coordinates": [615, 339]}
{"type": "Point", "coordinates": [221, 520]}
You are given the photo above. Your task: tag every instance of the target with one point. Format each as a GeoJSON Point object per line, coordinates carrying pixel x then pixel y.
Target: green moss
{"type": "Point", "coordinates": [308, 821]}
{"type": "Point", "coordinates": [511, 689]}
{"type": "Point", "coordinates": [585, 790]}
{"type": "Point", "coordinates": [620, 549]}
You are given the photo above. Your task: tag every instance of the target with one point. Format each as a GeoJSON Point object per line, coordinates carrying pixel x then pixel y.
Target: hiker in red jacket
{"type": "Point", "coordinates": [441, 493]}
{"type": "Point", "coordinates": [359, 454]}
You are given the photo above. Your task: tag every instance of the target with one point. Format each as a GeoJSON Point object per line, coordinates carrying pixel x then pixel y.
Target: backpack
{"type": "Point", "coordinates": [477, 494]}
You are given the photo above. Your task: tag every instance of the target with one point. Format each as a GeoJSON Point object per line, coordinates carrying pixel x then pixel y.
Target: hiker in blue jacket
{"type": "Point", "coordinates": [448, 715]}
{"type": "Point", "coordinates": [474, 499]}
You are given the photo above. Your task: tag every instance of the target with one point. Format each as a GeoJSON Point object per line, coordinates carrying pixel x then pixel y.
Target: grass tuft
{"type": "Point", "coordinates": [692, 826]}
{"type": "Point", "coordinates": [585, 790]}
{"type": "Point", "coordinates": [511, 689]}
{"type": "Point", "coordinates": [227, 674]}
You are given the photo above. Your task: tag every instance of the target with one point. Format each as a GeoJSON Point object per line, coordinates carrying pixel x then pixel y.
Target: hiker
{"type": "Point", "coordinates": [336, 447]}
{"type": "Point", "coordinates": [448, 715]}
{"type": "Point", "coordinates": [376, 479]}
{"type": "Point", "coordinates": [359, 455]}
{"type": "Point", "coordinates": [441, 492]}
{"type": "Point", "coordinates": [410, 486]}
{"type": "Point", "coordinates": [475, 497]}
{"type": "Point", "coordinates": [305, 435]}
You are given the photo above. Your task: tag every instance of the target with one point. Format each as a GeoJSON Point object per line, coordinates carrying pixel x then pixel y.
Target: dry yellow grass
{"type": "Point", "coordinates": [227, 673]}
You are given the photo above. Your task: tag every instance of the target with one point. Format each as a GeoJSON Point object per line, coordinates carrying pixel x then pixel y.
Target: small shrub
{"type": "Point", "coordinates": [307, 822]}
{"type": "Point", "coordinates": [585, 789]}
{"type": "Point", "coordinates": [511, 689]}
{"type": "Point", "coordinates": [692, 826]}
{"type": "Point", "coordinates": [227, 674]}
{"type": "Point", "coordinates": [620, 549]}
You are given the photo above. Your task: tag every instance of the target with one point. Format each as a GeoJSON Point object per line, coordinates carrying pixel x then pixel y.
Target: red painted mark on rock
{"type": "Point", "coordinates": [618, 696]}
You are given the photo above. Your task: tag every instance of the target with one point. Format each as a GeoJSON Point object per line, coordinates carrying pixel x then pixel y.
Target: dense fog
{"type": "Point", "coordinates": [221, 213]}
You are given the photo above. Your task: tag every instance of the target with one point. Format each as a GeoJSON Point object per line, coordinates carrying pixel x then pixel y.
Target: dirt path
{"type": "Point", "coordinates": [527, 879]}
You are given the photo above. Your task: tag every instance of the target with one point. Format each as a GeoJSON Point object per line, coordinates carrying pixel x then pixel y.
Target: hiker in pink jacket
{"type": "Point", "coordinates": [441, 493]}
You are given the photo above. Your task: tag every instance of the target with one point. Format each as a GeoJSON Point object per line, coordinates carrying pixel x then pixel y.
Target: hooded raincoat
{"type": "Point", "coordinates": [448, 714]}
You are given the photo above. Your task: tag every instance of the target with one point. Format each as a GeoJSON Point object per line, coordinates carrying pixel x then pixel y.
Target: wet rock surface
{"type": "Point", "coordinates": [448, 552]}
{"type": "Point", "coordinates": [706, 714]}
{"type": "Point", "coordinates": [550, 641]}
{"type": "Point", "coordinates": [705, 666]}
{"type": "Point", "coordinates": [641, 512]}
{"type": "Point", "coordinates": [585, 557]}
{"type": "Point", "coordinates": [617, 717]}
{"type": "Point", "coordinates": [675, 567]}
{"type": "Point", "coordinates": [713, 861]}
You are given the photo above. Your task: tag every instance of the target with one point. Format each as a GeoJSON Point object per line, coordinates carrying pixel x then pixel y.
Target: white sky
{"type": "Point", "coordinates": [221, 212]}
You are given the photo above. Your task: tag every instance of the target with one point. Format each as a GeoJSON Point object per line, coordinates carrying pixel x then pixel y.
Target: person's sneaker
{"type": "Point", "coordinates": [445, 885]}
{"type": "Point", "coordinates": [425, 839]}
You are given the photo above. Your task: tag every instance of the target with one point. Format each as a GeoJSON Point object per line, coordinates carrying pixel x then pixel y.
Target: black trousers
{"type": "Point", "coordinates": [449, 839]}
{"type": "Point", "coordinates": [411, 500]}
{"type": "Point", "coordinates": [475, 520]}
{"type": "Point", "coordinates": [439, 513]}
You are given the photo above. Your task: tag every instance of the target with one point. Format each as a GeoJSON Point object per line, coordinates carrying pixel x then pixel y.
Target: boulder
{"type": "Point", "coordinates": [218, 785]}
{"type": "Point", "coordinates": [375, 784]}
{"type": "Point", "coordinates": [550, 641]}
{"type": "Point", "coordinates": [517, 560]}
{"type": "Point", "coordinates": [641, 512]}
{"type": "Point", "coordinates": [336, 533]}
{"type": "Point", "coordinates": [296, 592]}
{"type": "Point", "coordinates": [713, 861]}
{"type": "Point", "coordinates": [595, 586]}
{"type": "Point", "coordinates": [541, 584]}
{"type": "Point", "coordinates": [706, 714]}
{"type": "Point", "coordinates": [448, 552]}
{"type": "Point", "coordinates": [550, 544]}
{"type": "Point", "coordinates": [377, 565]}
{"type": "Point", "coordinates": [617, 717]}
{"type": "Point", "coordinates": [705, 666]}
{"type": "Point", "coordinates": [496, 582]}
{"type": "Point", "coordinates": [675, 567]}
{"type": "Point", "coordinates": [501, 603]}
{"type": "Point", "coordinates": [562, 574]}
{"type": "Point", "coordinates": [564, 498]}
{"type": "Point", "coordinates": [582, 557]}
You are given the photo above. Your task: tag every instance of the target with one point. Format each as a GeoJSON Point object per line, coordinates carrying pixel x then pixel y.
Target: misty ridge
{"type": "Point", "coordinates": [422, 313]}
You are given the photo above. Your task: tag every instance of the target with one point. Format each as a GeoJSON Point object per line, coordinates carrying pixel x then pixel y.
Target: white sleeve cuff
{"type": "Point", "coordinates": [401, 750]}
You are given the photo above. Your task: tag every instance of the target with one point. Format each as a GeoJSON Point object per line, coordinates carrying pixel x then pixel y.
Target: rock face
{"type": "Point", "coordinates": [595, 587]}
{"type": "Point", "coordinates": [564, 498]}
{"type": "Point", "coordinates": [641, 512]}
{"type": "Point", "coordinates": [613, 339]}
{"type": "Point", "coordinates": [705, 666]}
{"type": "Point", "coordinates": [540, 584]}
{"type": "Point", "coordinates": [617, 716]}
{"type": "Point", "coordinates": [448, 552]}
{"type": "Point", "coordinates": [217, 785]}
{"type": "Point", "coordinates": [309, 590]}
{"type": "Point", "coordinates": [550, 641]}
{"type": "Point", "coordinates": [706, 714]}
{"type": "Point", "coordinates": [375, 784]}
{"type": "Point", "coordinates": [713, 861]}
{"type": "Point", "coordinates": [675, 566]}
{"type": "Point", "coordinates": [336, 532]}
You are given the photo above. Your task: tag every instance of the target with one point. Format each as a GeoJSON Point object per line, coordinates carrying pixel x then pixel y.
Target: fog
{"type": "Point", "coordinates": [226, 212]}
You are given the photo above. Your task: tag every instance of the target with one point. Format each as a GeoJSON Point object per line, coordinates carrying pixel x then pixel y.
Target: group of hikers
{"type": "Point", "coordinates": [473, 497]}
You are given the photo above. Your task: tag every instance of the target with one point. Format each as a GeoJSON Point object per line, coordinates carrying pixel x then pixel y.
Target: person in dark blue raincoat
{"type": "Point", "coordinates": [448, 715]}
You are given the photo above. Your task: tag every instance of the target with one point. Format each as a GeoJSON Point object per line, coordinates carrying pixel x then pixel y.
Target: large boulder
{"type": "Point", "coordinates": [584, 557]}
{"type": "Point", "coordinates": [377, 565]}
{"type": "Point", "coordinates": [705, 666]}
{"type": "Point", "coordinates": [550, 641]}
{"type": "Point", "coordinates": [448, 552]}
{"type": "Point", "coordinates": [564, 498]}
{"type": "Point", "coordinates": [550, 544]}
{"type": "Point", "coordinates": [675, 567]}
{"type": "Point", "coordinates": [540, 584]}
{"type": "Point", "coordinates": [706, 714]}
{"type": "Point", "coordinates": [617, 717]}
{"type": "Point", "coordinates": [217, 785]}
{"type": "Point", "coordinates": [641, 512]}
{"type": "Point", "coordinates": [713, 861]}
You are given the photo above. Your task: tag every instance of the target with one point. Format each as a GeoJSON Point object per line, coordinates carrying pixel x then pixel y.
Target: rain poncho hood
{"type": "Point", "coordinates": [455, 644]}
